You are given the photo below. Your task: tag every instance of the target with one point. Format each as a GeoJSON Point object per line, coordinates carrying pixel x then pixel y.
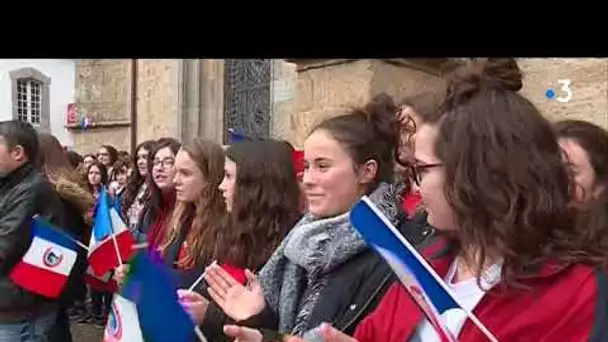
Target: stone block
{"type": "Point", "coordinates": [282, 89]}
{"type": "Point", "coordinates": [212, 99]}
{"type": "Point", "coordinates": [327, 88]}
{"type": "Point", "coordinates": [89, 141]}
{"type": "Point", "coordinates": [589, 86]}
{"type": "Point", "coordinates": [158, 102]}
{"type": "Point", "coordinates": [103, 89]}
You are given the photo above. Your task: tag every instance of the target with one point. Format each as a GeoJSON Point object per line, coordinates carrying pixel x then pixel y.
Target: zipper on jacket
{"type": "Point", "coordinates": [367, 303]}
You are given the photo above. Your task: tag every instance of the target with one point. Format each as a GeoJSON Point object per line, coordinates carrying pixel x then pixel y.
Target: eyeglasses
{"type": "Point", "coordinates": [167, 163]}
{"type": "Point", "coordinates": [418, 169]}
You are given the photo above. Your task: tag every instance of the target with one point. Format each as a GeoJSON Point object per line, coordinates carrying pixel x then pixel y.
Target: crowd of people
{"type": "Point", "coordinates": [510, 209]}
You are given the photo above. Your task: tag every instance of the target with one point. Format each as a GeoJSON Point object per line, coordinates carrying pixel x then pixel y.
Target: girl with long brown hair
{"type": "Point", "coordinates": [77, 203]}
{"type": "Point", "coordinates": [192, 239]}
{"type": "Point", "coordinates": [154, 223]}
{"type": "Point", "coordinates": [136, 192]}
{"type": "Point", "coordinates": [160, 200]}
{"type": "Point", "coordinates": [493, 182]}
{"type": "Point", "coordinates": [262, 196]}
{"type": "Point", "coordinates": [323, 271]}
{"type": "Point", "coordinates": [585, 147]}
{"type": "Point", "coordinates": [586, 151]}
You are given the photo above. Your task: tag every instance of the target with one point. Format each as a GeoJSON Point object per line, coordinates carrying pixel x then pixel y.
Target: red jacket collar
{"type": "Point", "coordinates": [441, 257]}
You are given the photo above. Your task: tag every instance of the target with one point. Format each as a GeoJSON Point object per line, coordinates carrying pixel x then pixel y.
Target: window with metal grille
{"type": "Point", "coordinates": [247, 97]}
{"type": "Point", "coordinates": [29, 100]}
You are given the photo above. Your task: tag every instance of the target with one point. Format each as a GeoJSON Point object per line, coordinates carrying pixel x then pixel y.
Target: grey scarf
{"type": "Point", "coordinates": [296, 273]}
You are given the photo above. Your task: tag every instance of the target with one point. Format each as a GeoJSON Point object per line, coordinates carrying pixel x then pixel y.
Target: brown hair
{"type": "Point", "coordinates": [136, 180]}
{"type": "Point", "coordinates": [266, 201]}
{"type": "Point", "coordinates": [504, 176]}
{"type": "Point", "coordinates": [155, 202]}
{"type": "Point", "coordinates": [208, 213]}
{"type": "Point", "coordinates": [103, 170]}
{"type": "Point", "coordinates": [112, 153]}
{"type": "Point", "coordinates": [118, 167]}
{"type": "Point", "coordinates": [74, 158]}
{"type": "Point", "coordinates": [368, 133]}
{"type": "Point", "coordinates": [54, 163]}
{"type": "Point", "coordinates": [424, 105]}
{"type": "Point", "coordinates": [591, 138]}
{"type": "Point", "coordinates": [592, 224]}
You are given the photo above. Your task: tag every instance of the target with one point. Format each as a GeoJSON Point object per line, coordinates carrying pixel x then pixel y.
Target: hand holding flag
{"type": "Point", "coordinates": [161, 317]}
{"type": "Point", "coordinates": [111, 242]}
{"type": "Point", "coordinates": [48, 262]}
{"type": "Point", "coordinates": [426, 288]}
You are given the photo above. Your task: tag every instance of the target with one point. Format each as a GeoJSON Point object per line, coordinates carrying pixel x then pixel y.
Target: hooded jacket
{"type": "Point", "coordinates": [77, 202]}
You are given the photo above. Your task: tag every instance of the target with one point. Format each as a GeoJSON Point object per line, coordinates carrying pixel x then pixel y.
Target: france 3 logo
{"type": "Point", "coordinates": [565, 91]}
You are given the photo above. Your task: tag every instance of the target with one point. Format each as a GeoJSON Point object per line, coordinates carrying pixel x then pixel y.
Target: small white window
{"type": "Point", "coordinates": [29, 100]}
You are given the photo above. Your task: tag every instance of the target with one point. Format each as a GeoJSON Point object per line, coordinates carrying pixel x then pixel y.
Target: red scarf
{"type": "Point", "coordinates": [157, 230]}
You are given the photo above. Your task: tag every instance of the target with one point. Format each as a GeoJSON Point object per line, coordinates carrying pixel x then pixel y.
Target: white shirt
{"type": "Point", "coordinates": [467, 293]}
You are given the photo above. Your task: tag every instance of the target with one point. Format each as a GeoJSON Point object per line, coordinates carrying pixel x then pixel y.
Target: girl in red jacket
{"type": "Point", "coordinates": [492, 181]}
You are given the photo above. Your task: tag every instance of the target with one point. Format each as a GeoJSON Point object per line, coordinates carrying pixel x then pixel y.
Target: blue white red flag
{"type": "Point", "coordinates": [149, 286]}
{"type": "Point", "coordinates": [424, 285]}
{"type": "Point", "coordinates": [111, 242]}
{"type": "Point", "coordinates": [48, 262]}
{"type": "Point", "coordinates": [123, 322]}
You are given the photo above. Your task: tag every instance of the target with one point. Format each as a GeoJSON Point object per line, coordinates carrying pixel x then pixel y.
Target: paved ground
{"type": "Point", "coordinates": [86, 333]}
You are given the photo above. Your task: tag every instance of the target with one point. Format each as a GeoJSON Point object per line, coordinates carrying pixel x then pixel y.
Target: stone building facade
{"type": "Point", "coordinates": [284, 98]}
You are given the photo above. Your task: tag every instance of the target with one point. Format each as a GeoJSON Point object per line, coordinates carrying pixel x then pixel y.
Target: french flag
{"type": "Point", "coordinates": [426, 288]}
{"type": "Point", "coordinates": [46, 266]}
{"type": "Point", "coordinates": [111, 242]}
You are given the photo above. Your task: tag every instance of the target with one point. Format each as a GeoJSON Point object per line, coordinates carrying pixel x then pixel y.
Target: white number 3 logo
{"type": "Point", "coordinates": [566, 89]}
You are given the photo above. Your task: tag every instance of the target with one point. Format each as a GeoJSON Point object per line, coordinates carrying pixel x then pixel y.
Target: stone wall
{"type": "Point", "coordinates": [329, 87]}
{"type": "Point", "coordinates": [184, 98]}
{"type": "Point", "coordinates": [158, 98]}
{"type": "Point", "coordinates": [589, 87]}
{"type": "Point", "coordinates": [282, 104]}
{"type": "Point", "coordinates": [103, 92]}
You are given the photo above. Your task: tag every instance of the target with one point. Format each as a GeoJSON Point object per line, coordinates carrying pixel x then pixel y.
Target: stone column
{"type": "Point", "coordinates": [159, 95]}
{"type": "Point", "coordinates": [328, 87]}
{"type": "Point", "coordinates": [282, 101]}
{"type": "Point", "coordinates": [190, 99]}
{"type": "Point", "coordinates": [211, 124]}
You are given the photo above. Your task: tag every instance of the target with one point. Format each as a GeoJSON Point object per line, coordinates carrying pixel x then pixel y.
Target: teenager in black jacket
{"type": "Point", "coordinates": [323, 271]}
{"type": "Point", "coordinates": [24, 193]}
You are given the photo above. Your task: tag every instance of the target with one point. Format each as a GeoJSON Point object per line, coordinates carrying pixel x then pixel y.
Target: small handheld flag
{"type": "Point", "coordinates": [425, 286]}
{"type": "Point", "coordinates": [111, 241]}
{"type": "Point", "coordinates": [236, 136]}
{"type": "Point", "coordinates": [123, 323]}
{"type": "Point", "coordinates": [148, 285]}
{"type": "Point", "coordinates": [48, 262]}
